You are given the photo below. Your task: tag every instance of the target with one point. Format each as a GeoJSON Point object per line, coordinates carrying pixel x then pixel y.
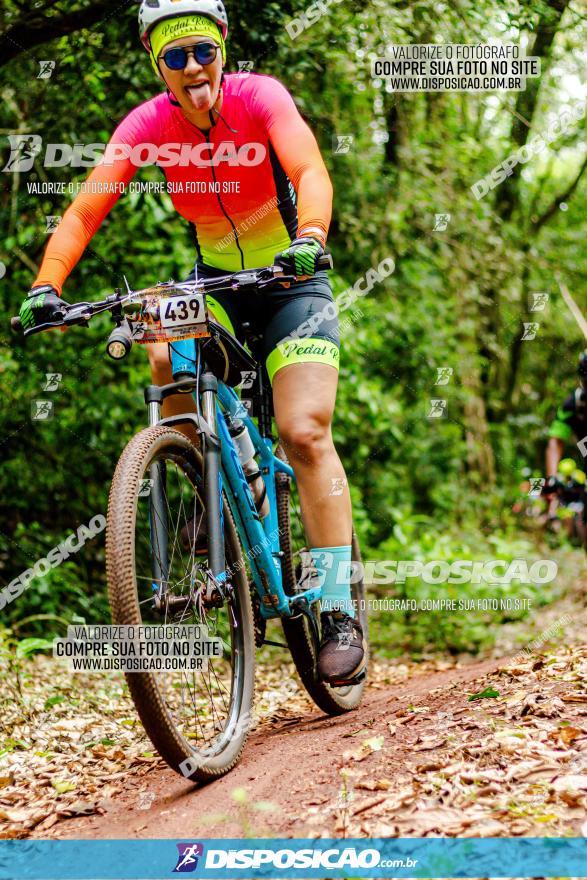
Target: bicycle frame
{"type": "Point", "coordinates": [260, 539]}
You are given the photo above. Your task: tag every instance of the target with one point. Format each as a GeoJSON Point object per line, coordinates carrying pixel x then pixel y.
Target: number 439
{"type": "Point", "coordinates": [182, 310]}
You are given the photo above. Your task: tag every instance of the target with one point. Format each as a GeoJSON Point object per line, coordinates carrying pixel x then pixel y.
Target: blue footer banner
{"type": "Point", "coordinates": [275, 858]}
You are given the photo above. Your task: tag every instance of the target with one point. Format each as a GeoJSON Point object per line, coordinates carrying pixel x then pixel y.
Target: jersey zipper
{"type": "Point", "coordinates": [222, 208]}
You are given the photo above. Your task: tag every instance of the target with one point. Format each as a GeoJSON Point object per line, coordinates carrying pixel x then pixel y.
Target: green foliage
{"type": "Point", "coordinates": [478, 607]}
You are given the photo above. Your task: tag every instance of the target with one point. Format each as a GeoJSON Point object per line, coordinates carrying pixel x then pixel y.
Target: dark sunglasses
{"type": "Point", "coordinates": [177, 58]}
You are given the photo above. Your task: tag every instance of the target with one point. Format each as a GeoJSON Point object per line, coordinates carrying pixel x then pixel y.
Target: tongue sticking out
{"type": "Point", "coordinates": [200, 96]}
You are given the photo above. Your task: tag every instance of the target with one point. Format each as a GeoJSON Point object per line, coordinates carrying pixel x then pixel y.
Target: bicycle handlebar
{"type": "Point", "coordinates": [80, 313]}
{"type": "Point", "coordinates": [324, 262]}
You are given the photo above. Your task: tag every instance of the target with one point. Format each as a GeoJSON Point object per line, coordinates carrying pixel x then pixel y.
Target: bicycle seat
{"type": "Point", "coordinates": [225, 355]}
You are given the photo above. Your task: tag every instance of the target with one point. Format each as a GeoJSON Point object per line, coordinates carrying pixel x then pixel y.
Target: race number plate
{"type": "Point", "coordinates": [182, 311]}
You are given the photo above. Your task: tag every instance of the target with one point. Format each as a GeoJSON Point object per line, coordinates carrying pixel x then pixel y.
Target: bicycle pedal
{"type": "Point", "coordinates": [356, 679]}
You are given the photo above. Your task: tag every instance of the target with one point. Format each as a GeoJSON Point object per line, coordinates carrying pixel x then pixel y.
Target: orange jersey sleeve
{"type": "Point", "coordinates": [86, 213]}
{"type": "Point", "coordinates": [81, 221]}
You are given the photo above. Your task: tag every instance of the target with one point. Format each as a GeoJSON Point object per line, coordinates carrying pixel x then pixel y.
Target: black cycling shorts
{"type": "Point", "coordinates": [281, 326]}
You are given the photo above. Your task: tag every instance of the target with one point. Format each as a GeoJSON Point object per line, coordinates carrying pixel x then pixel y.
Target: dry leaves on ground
{"type": "Point", "coordinates": [506, 766]}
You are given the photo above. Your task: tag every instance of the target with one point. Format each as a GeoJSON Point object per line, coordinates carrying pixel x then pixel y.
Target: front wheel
{"type": "Point", "coordinates": [301, 638]}
{"type": "Point", "coordinates": [157, 568]}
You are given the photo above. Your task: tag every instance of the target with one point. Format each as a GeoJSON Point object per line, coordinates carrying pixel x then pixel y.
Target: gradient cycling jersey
{"type": "Point", "coordinates": [244, 195]}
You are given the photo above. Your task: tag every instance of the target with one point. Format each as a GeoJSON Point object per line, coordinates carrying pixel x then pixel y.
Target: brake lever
{"type": "Point", "coordinates": [76, 314]}
{"type": "Point", "coordinates": [277, 279]}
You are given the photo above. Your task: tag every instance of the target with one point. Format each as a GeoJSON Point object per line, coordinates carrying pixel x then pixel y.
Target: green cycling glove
{"type": "Point", "coordinates": [300, 257]}
{"type": "Point", "coordinates": [41, 306]}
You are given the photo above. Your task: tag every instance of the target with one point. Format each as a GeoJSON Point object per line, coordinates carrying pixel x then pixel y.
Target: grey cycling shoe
{"type": "Point", "coordinates": [342, 657]}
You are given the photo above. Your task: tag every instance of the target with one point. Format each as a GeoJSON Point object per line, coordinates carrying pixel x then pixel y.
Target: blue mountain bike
{"type": "Point", "coordinates": [190, 538]}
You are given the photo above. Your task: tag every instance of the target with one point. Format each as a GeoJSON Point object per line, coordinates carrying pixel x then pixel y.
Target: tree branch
{"type": "Point", "coordinates": [34, 30]}
{"type": "Point", "coordinates": [556, 202]}
{"type": "Point", "coordinates": [508, 194]}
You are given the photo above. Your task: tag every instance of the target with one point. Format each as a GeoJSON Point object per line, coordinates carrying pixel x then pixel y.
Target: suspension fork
{"type": "Point", "coordinates": [158, 514]}
{"type": "Point", "coordinates": [212, 479]}
{"type": "Point", "coordinates": [185, 367]}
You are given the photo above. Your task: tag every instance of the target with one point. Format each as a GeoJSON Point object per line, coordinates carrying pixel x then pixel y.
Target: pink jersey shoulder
{"type": "Point", "coordinates": [265, 97]}
{"type": "Point", "coordinates": [144, 123]}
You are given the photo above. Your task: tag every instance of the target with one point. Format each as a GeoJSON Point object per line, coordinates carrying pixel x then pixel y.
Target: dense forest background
{"type": "Point", "coordinates": [423, 487]}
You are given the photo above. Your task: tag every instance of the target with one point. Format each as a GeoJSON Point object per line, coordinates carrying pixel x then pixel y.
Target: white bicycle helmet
{"type": "Point", "coordinates": [152, 12]}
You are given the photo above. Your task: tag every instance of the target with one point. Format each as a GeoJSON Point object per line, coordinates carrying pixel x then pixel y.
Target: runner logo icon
{"type": "Point", "coordinates": [187, 860]}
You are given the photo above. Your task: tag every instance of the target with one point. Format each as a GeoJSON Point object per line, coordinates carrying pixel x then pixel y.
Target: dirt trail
{"type": "Point", "coordinates": [419, 757]}
{"type": "Point", "coordinates": [296, 766]}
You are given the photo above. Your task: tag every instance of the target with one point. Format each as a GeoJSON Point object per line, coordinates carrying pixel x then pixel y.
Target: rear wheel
{"type": "Point", "coordinates": [302, 641]}
{"type": "Point", "coordinates": [202, 716]}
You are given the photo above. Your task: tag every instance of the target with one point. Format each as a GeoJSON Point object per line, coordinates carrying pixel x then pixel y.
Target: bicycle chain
{"type": "Point", "coordinates": [259, 621]}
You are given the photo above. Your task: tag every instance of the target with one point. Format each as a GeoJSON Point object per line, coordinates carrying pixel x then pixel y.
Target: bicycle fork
{"type": "Point", "coordinates": [158, 514]}
{"type": "Point", "coordinates": [213, 485]}
{"type": "Point", "coordinates": [211, 454]}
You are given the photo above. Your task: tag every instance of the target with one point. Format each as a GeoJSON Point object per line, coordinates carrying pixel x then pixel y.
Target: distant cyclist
{"type": "Point", "coordinates": [567, 506]}
{"type": "Point", "coordinates": [570, 421]}
{"type": "Point", "coordinates": [245, 171]}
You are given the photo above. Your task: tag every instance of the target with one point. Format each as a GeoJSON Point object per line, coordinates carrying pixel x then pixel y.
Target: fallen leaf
{"type": "Point", "coordinates": [368, 805]}
{"type": "Point", "coordinates": [61, 786]}
{"type": "Point", "coordinates": [79, 808]}
{"type": "Point", "coordinates": [429, 743]}
{"type": "Point", "coordinates": [488, 693]}
{"type": "Point", "coordinates": [566, 735]}
{"type": "Point", "coordinates": [71, 724]}
{"type": "Point", "coordinates": [571, 798]}
{"type": "Point", "coordinates": [485, 828]}
{"type": "Point", "coordinates": [49, 822]}
{"type": "Point", "coordinates": [374, 743]}
{"type": "Point", "coordinates": [405, 719]}
{"type": "Point", "coordinates": [576, 782]}
{"type": "Point", "coordinates": [576, 697]}
{"type": "Point", "coordinates": [28, 817]}
{"type": "Point", "coordinates": [542, 705]}
{"type": "Point", "coordinates": [375, 784]}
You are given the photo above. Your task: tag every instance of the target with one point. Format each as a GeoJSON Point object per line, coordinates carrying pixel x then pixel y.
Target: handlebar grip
{"type": "Point", "coordinates": [15, 323]}
{"type": "Point", "coordinates": [324, 262]}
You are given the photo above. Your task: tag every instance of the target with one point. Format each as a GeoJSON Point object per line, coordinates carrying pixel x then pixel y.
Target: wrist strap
{"type": "Point", "coordinates": [41, 288]}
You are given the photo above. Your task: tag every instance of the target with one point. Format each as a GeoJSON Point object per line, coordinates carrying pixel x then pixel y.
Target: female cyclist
{"type": "Point", "coordinates": [244, 169]}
